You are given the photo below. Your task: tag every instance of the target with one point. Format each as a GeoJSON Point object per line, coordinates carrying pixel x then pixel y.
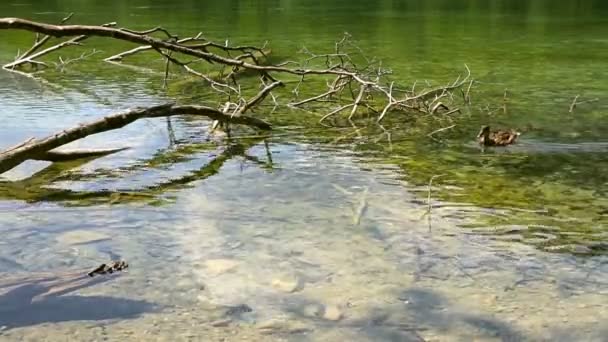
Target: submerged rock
{"type": "Point", "coordinates": [287, 284]}
{"type": "Point", "coordinates": [220, 266]}
{"type": "Point", "coordinates": [332, 313]}
{"type": "Point", "coordinates": [278, 326]}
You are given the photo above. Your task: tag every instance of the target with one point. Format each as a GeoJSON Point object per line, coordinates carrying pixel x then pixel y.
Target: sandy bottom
{"type": "Point", "coordinates": [316, 251]}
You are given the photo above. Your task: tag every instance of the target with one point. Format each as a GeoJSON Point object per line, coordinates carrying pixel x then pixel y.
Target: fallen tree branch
{"type": "Point", "coordinates": [38, 148]}
{"type": "Point", "coordinates": [369, 89]}
{"type": "Point", "coordinates": [140, 38]}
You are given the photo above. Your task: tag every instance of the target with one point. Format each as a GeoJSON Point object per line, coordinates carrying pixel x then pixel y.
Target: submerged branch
{"type": "Point", "coordinates": [57, 156]}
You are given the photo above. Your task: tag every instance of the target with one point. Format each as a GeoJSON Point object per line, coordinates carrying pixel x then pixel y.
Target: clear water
{"type": "Point", "coordinates": [326, 240]}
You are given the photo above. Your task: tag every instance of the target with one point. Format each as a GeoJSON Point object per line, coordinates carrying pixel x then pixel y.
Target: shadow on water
{"type": "Point", "coordinates": [66, 308]}
{"type": "Point", "coordinates": [22, 306]}
{"type": "Point", "coordinates": [429, 309]}
{"type": "Point", "coordinates": [417, 312]}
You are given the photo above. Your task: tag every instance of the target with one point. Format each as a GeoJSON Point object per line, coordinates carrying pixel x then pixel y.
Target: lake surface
{"type": "Point", "coordinates": [318, 233]}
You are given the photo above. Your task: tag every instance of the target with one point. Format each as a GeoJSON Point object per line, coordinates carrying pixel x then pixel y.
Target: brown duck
{"type": "Point", "coordinates": [496, 138]}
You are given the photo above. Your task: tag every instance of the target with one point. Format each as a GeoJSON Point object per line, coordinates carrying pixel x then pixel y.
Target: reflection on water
{"type": "Point", "coordinates": [315, 234]}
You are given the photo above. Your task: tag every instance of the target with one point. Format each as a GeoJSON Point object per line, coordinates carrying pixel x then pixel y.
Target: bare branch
{"type": "Point", "coordinates": [314, 98]}
{"type": "Point", "coordinates": [357, 101]}
{"type": "Point", "coordinates": [40, 42]}
{"type": "Point", "coordinates": [349, 86]}
{"type": "Point", "coordinates": [150, 31]}
{"type": "Point", "coordinates": [120, 56]}
{"type": "Point", "coordinates": [31, 59]}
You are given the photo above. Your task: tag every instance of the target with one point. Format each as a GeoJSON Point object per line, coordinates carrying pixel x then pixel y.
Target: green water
{"type": "Point", "coordinates": [515, 248]}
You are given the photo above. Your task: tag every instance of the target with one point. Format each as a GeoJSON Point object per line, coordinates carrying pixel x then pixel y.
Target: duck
{"type": "Point", "coordinates": [496, 138]}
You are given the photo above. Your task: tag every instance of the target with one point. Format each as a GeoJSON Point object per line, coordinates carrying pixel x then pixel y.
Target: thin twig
{"type": "Point", "coordinates": [360, 210]}
{"type": "Point", "coordinates": [504, 102]}
{"type": "Point", "coordinates": [428, 201]}
{"type": "Point", "coordinates": [467, 95]}
{"type": "Point", "coordinates": [430, 135]}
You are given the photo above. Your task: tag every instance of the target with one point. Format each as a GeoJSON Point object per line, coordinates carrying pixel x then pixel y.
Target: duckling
{"type": "Point", "coordinates": [114, 266]}
{"type": "Point", "coordinates": [496, 138]}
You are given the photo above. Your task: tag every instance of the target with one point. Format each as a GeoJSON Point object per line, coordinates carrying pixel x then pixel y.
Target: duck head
{"type": "Point", "coordinates": [484, 132]}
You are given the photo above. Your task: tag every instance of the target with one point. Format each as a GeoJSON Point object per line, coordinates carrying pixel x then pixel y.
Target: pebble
{"type": "Point", "coordinates": [220, 266]}
{"type": "Point", "coordinates": [280, 326]}
{"type": "Point", "coordinates": [332, 313]}
{"type": "Point", "coordinates": [79, 237]}
{"type": "Point", "coordinates": [221, 323]}
{"type": "Point", "coordinates": [287, 284]}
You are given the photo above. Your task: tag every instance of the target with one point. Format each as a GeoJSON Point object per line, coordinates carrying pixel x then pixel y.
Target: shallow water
{"type": "Point", "coordinates": [313, 236]}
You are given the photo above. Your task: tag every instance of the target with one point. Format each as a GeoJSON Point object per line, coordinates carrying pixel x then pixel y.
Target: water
{"type": "Point", "coordinates": [319, 234]}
